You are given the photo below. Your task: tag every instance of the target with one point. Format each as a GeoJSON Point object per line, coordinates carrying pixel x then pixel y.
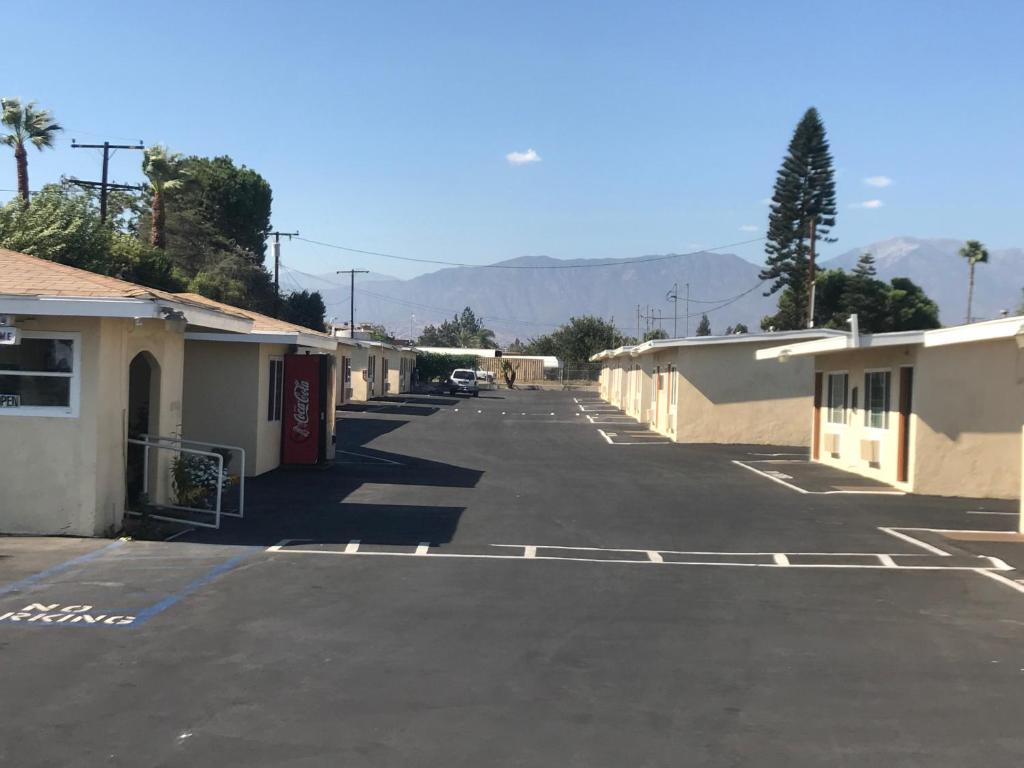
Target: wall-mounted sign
{"type": "Point", "coordinates": [8, 334]}
{"type": "Point", "coordinates": [6, 319]}
{"type": "Point", "coordinates": [10, 401]}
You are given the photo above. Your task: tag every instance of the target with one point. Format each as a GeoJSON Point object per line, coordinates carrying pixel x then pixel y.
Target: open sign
{"type": "Point", "coordinates": [10, 401]}
{"type": "Point", "coordinates": [8, 334]}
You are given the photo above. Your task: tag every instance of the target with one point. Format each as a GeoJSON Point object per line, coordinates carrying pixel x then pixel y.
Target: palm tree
{"type": "Point", "coordinates": [165, 171]}
{"type": "Point", "coordinates": [975, 253]}
{"type": "Point", "coordinates": [26, 123]}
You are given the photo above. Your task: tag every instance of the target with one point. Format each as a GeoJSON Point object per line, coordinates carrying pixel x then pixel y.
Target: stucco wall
{"type": "Point", "coordinates": [853, 430]}
{"type": "Point", "coordinates": [227, 389]}
{"type": "Point", "coordinates": [726, 396]}
{"type": "Point", "coordinates": [66, 475]}
{"type": "Point", "coordinates": [969, 401]}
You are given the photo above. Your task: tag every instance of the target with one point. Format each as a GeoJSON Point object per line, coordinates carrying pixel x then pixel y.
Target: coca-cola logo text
{"type": "Point", "coordinates": [300, 413]}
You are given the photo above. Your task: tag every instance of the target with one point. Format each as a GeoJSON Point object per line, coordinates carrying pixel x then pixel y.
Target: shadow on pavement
{"type": "Point", "coordinates": [309, 503]}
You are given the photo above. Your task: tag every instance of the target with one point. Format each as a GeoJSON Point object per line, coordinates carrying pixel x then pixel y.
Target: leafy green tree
{"type": "Point", "coordinates": [164, 169]}
{"type": "Point", "coordinates": [735, 329]}
{"type": "Point", "coordinates": [655, 333]}
{"type": "Point", "coordinates": [704, 327]}
{"type": "Point", "coordinates": [908, 308]}
{"type": "Point", "coordinates": [304, 308]}
{"type": "Point", "coordinates": [463, 330]}
{"type": "Point", "coordinates": [26, 124]}
{"type": "Point", "coordinates": [432, 366]}
{"type": "Point", "coordinates": [63, 225]}
{"type": "Point", "coordinates": [803, 211]}
{"type": "Point", "coordinates": [975, 253]}
{"type": "Point", "coordinates": [579, 339]}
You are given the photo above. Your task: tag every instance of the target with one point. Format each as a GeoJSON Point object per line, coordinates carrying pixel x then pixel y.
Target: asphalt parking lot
{"type": "Point", "coordinates": [526, 579]}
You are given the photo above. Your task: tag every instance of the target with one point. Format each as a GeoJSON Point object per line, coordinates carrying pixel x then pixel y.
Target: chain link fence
{"type": "Point", "coordinates": [575, 374]}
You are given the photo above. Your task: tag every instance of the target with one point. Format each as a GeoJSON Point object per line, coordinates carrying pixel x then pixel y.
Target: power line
{"type": "Point", "coordinates": [641, 260]}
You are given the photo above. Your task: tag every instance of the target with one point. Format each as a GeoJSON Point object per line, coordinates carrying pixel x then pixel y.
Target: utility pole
{"type": "Point", "coordinates": [352, 297]}
{"type": "Point", "coordinates": [673, 296]}
{"type": "Point", "coordinates": [276, 247]}
{"type": "Point", "coordinates": [811, 276]}
{"type": "Point", "coordinates": [687, 310]}
{"type": "Point", "coordinates": [638, 337]}
{"type": "Point", "coordinates": [104, 186]}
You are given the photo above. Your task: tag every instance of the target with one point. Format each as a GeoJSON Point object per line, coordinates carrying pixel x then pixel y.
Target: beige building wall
{"type": "Point", "coordinates": [969, 406]}
{"type": "Point", "coordinates": [67, 474]}
{"type": "Point", "coordinates": [849, 433]}
{"type": "Point", "coordinates": [965, 425]}
{"type": "Point", "coordinates": [726, 396]}
{"type": "Point", "coordinates": [227, 393]}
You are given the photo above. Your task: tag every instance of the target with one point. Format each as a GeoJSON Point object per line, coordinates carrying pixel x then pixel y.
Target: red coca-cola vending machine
{"type": "Point", "coordinates": [307, 429]}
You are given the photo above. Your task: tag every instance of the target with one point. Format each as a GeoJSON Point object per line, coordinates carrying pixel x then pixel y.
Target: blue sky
{"type": "Point", "coordinates": [659, 126]}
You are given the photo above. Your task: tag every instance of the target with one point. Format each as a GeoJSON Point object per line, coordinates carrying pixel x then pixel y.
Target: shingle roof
{"type": "Point", "coordinates": [260, 323]}
{"type": "Point", "coordinates": [24, 275]}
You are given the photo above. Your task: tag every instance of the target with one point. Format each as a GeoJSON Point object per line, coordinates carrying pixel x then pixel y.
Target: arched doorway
{"type": "Point", "coordinates": [143, 418]}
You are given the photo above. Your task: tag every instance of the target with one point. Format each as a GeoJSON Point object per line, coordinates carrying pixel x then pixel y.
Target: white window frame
{"type": "Point", "coordinates": [828, 398]}
{"type": "Point", "coordinates": [866, 405]}
{"type": "Point", "coordinates": [69, 411]}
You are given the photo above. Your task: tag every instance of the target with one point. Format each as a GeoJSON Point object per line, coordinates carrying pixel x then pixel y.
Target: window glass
{"type": "Point", "coordinates": [36, 390]}
{"type": "Point", "coordinates": [275, 398]}
{"type": "Point", "coordinates": [837, 398]}
{"type": "Point", "coordinates": [42, 355]}
{"type": "Point", "coordinates": [876, 399]}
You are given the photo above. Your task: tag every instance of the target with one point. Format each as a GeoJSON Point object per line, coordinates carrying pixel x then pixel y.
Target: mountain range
{"type": "Point", "coordinates": [532, 295]}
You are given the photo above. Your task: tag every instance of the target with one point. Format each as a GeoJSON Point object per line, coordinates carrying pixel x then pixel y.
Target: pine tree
{"type": "Point", "coordinates": [704, 329]}
{"type": "Point", "coordinates": [803, 211]}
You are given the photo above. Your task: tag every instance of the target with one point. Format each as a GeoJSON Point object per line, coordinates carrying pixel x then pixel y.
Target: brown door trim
{"type": "Point", "coordinates": [903, 439]}
{"type": "Point", "coordinates": [816, 437]}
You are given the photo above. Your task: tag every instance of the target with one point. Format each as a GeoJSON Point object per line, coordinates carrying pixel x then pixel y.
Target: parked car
{"type": "Point", "coordinates": [485, 380]}
{"type": "Point", "coordinates": [463, 380]}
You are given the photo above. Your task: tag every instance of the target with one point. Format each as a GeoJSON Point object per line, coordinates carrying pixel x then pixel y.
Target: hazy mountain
{"type": "Point", "coordinates": [534, 297]}
{"type": "Point", "coordinates": [935, 265]}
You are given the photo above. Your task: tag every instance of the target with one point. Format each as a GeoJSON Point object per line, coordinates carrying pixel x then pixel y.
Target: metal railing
{"type": "Point", "coordinates": [166, 495]}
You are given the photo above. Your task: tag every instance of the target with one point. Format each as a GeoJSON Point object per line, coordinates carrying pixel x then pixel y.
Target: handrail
{"type": "Point", "coordinates": [216, 511]}
{"type": "Point", "coordinates": [241, 472]}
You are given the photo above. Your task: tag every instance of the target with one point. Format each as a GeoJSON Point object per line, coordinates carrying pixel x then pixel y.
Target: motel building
{"type": "Point", "coordinates": [234, 385]}
{"type": "Point", "coordinates": [369, 368]}
{"type": "Point", "coordinates": [710, 389]}
{"type": "Point", "coordinates": [87, 362]}
{"type": "Point", "coordinates": [935, 412]}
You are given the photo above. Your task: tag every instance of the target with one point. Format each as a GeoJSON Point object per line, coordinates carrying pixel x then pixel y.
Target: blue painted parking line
{"type": "Point", "coordinates": [28, 581]}
{"type": "Point", "coordinates": [52, 614]}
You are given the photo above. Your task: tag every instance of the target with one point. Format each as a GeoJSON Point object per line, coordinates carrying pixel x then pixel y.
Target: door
{"type": "Point", "coordinates": [673, 398]}
{"type": "Point", "coordinates": [906, 405]}
{"type": "Point", "coordinates": [655, 397]}
{"type": "Point", "coordinates": [816, 426]}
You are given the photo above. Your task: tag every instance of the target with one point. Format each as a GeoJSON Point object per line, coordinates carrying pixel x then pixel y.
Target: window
{"type": "Point", "coordinates": [346, 370]}
{"type": "Point", "coordinates": [837, 397]}
{"type": "Point", "coordinates": [40, 375]}
{"type": "Point", "coordinates": [673, 388]}
{"type": "Point", "coordinates": [371, 368]}
{"type": "Point", "coordinates": [876, 399]}
{"type": "Point", "coordinates": [276, 397]}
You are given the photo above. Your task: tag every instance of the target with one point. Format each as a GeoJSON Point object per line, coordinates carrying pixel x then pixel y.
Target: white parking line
{"type": "Point", "coordinates": [980, 512]}
{"type": "Point", "coordinates": [657, 557]}
{"type": "Point", "coordinates": [916, 542]}
{"type": "Point", "coordinates": [423, 548]}
{"type": "Point", "coordinates": [778, 477]}
{"type": "Point", "coordinates": [605, 436]}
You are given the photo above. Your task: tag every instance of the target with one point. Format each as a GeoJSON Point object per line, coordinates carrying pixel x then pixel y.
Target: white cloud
{"type": "Point", "coordinates": [749, 228]}
{"type": "Point", "coordinates": [523, 158]}
{"type": "Point", "coordinates": [868, 204]}
{"type": "Point", "coordinates": [878, 181]}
